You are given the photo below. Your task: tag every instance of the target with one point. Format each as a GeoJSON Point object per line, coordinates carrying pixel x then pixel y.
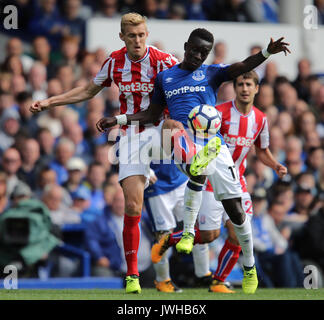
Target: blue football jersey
{"type": "Point", "coordinates": [181, 90]}
{"type": "Point", "coordinates": [169, 178]}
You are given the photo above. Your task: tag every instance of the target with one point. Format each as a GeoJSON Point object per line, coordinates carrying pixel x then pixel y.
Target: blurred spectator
{"type": "Point", "coordinates": [305, 194]}
{"type": "Point", "coordinates": [265, 97]}
{"type": "Point", "coordinates": [283, 193]}
{"type": "Point", "coordinates": [81, 204]}
{"type": "Point", "coordinates": [225, 93]}
{"type": "Point", "coordinates": [11, 163]}
{"type": "Point", "coordinates": [277, 265]}
{"type": "Point", "coordinates": [18, 84]}
{"type": "Point", "coordinates": [306, 123]}
{"type": "Point", "coordinates": [229, 10]}
{"type": "Point", "coordinates": [150, 8]}
{"type": "Point", "coordinates": [6, 102]}
{"type": "Point", "coordinates": [294, 164]}
{"type": "Point", "coordinates": [59, 212]}
{"type": "Point", "coordinates": [270, 73]}
{"type": "Point", "coordinates": [262, 10]}
{"type": "Point", "coordinates": [42, 52]}
{"type": "Point", "coordinates": [64, 150]}
{"type": "Point", "coordinates": [91, 134]}
{"type": "Point", "coordinates": [37, 81]}
{"type": "Point", "coordinates": [4, 200]}
{"type": "Point", "coordinates": [48, 22]}
{"type": "Point", "coordinates": [315, 159]}
{"type": "Point", "coordinates": [9, 127]}
{"type": "Point", "coordinates": [14, 48]}
{"type": "Point", "coordinates": [94, 182]}
{"type": "Point", "coordinates": [74, 20]}
{"type": "Point", "coordinates": [277, 143]}
{"type": "Point", "coordinates": [320, 10]}
{"type": "Point", "coordinates": [27, 121]}
{"type": "Point", "coordinates": [300, 83]}
{"type": "Point", "coordinates": [126, 6]}
{"type": "Point", "coordinates": [195, 10]}
{"type": "Point", "coordinates": [285, 123]}
{"type": "Point", "coordinates": [64, 73]}
{"type": "Point", "coordinates": [101, 242]}
{"type": "Point", "coordinates": [177, 12]}
{"type": "Point", "coordinates": [5, 81]}
{"type": "Point", "coordinates": [30, 153]}
{"type": "Point", "coordinates": [219, 52]}
{"type": "Point", "coordinates": [74, 132]}
{"type": "Point", "coordinates": [108, 9]}
{"type": "Point", "coordinates": [101, 155]}
{"type": "Point", "coordinates": [45, 176]}
{"type": "Point", "coordinates": [13, 65]}
{"type": "Point", "coordinates": [76, 168]}
{"type": "Point", "coordinates": [264, 175]}
{"type": "Point", "coordinates": [70, 51]}
{"type": "Point", "coordinates": [46, 142]}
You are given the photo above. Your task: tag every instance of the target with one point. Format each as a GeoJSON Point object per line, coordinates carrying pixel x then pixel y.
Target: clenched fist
{"type": "Point", "coordinates": [39, 106]}
{"type": "Point", "coordinates": [105, 123]}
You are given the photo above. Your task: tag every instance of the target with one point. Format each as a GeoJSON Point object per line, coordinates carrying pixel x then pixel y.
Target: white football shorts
{"type": "Point", "coordinates": [166, 209]}
{"type": "Point", "coordinates": [136, 151]}
{"type": "Point", "coordinates": [212, 213]}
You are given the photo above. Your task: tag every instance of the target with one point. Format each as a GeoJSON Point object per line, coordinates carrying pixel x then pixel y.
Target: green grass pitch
{"type": "Point", "coordinates": [152, 294]}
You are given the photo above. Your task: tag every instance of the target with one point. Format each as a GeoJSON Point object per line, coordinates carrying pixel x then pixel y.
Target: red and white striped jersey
{"type": "Point", "coordinates": [240, 132]}
{"type": "Point", "coordinates": [135, 79]}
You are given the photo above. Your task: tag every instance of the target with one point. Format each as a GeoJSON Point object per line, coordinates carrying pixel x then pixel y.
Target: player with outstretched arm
{"type": "Point", "coordinates": [181, 88]}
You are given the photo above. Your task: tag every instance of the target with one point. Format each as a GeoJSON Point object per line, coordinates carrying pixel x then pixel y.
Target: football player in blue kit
{"type": "Point", "coordinates": [181, 88]}
{"type": "Point", "coordinates": [164, 203]}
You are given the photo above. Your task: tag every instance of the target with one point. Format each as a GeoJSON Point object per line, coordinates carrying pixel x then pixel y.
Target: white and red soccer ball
{"type": "Point", "coordinates": [204, 120]}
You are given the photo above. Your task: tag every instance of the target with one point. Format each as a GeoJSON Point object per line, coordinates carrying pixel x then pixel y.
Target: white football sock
{"type": "Point", "coordinates": [192, 202]}
{"type": "Point", "coordinates": [162, 269]}
{"type": "Point", "coordinates": [244, 235]}
{"type": "Point", "coordinates": [200, 255]}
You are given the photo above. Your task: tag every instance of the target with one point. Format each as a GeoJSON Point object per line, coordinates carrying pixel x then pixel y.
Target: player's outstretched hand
{"type": "Point", "coordinates": [278, 46]}
{"type": "Point", "coordinates": [281, 170]}
{"type": "Point", "coordinates": [38, 106]}
{"type": "Point", "coordinates": [104, 123]}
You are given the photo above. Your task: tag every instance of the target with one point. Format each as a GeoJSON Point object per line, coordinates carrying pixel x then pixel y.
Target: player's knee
{"type": "Point", "coordinates": [133, 207]}
{"type": "Point", "coordinates": [172, 125]}
{"type": "Point", "coordinates": [208, 236]}
{"type": "Point", "coordinates": [234, 210]}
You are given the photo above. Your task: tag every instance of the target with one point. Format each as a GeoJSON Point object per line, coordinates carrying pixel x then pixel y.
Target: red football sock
{"type": "Point", "coordinates": [226, 260]}
{"type": "Point", "coordinates": [176, 236]}
{"type": "Point", "coordinates": [131, 239]}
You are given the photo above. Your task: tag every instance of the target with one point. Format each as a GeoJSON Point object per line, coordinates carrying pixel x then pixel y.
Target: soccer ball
{"type": "Point", "coordinates": [204, 120]}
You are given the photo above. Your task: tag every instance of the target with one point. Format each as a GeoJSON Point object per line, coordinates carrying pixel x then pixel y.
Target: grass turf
{"type": "Point", "coordinates": [152, 294]}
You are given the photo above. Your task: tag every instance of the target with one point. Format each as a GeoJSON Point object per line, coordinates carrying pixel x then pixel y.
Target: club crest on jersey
{"type": "Point", "coordinates": [198, 75]}
{"type": "Point", "coordinates": [150, 72]}
{"type": "Point", "coordinates": [255, 128]}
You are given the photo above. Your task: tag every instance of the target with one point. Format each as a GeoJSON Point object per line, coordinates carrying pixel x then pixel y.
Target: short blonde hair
{"type": "Point", "coordinates": [131, 18]}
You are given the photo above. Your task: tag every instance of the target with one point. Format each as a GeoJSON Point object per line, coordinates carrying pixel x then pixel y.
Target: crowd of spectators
{"type": "Point", "coordinates": [63, 159]}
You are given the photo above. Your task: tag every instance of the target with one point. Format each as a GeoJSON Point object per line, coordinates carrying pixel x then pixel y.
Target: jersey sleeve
{"type": "Point", "coordinates": [103, 77]}
{"type": "Point", "coordinates": [262, 141]}
{"type": "Point", "coordinates": [158, 94]}
{"type": "Point", "coordinates": [217, 74]}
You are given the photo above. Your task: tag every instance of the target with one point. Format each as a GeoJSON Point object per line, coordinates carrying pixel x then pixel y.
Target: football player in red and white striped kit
{"type": "Point", "coordinates": [243, 125]}
{"type": "Point", "coordinates": [133, 69]}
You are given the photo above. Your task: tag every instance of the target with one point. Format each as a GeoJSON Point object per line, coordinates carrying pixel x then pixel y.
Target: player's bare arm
{"type": "Point", "coordinates": [75, 95]}
{"type": "Point", "coordinates": [150, 115]}
{"type": "Point", "coordinates": [253, 61]}
{"type": "Point", "coordinates": [267, 158]}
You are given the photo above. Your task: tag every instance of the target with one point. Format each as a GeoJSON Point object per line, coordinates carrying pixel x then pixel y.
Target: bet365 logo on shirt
{"type": "Point", "coordinates": [135, 86]}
